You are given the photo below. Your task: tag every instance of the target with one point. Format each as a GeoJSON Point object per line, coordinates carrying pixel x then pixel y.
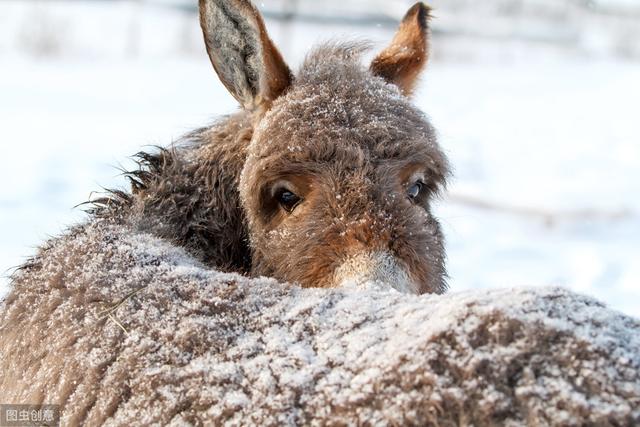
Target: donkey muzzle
{"type": "Point", "coordinates": [380, 270]}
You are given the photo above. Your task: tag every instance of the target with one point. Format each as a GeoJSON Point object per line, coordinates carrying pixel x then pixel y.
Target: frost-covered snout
{"type": "Point", "coordinates": [374, 269]}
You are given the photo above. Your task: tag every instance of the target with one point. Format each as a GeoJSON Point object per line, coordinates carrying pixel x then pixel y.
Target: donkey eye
{"type": "Point", "coordinates": [287, 199]}
{"type": "Point", "coordinates": [414, 191]}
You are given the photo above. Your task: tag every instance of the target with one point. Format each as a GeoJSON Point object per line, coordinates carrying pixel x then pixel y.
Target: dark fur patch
{"type": "Point", "coordinates": [188, 195]}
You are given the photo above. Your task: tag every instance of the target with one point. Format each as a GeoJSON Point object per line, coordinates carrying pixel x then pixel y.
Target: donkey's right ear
{"type": "Point", "coordinates": [403, 60]}
{"type": "Point", "coordinates": [243, 55]}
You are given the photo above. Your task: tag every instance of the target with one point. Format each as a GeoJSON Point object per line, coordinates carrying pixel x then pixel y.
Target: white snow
{"type": "Point", "coordinates": [546, 131]}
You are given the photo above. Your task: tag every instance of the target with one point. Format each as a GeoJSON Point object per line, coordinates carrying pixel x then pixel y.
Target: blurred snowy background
{"type": "Point", "coordinates": [537, 103]}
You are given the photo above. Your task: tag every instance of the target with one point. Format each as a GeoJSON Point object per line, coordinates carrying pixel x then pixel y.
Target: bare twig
{"type": "Point", "coordinates": [548, 216]}
{"type": "Point", "coordinates": [111, 310]}
{"type": "Point", "coordinates": [112, 317]}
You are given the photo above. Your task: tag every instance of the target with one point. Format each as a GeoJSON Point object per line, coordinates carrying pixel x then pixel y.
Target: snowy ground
{"type": "Point", "coordinates": [534, 135]}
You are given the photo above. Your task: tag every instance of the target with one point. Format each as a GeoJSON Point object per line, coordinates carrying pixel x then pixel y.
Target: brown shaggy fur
{"type": "Point", "coordinates": [188, 195]}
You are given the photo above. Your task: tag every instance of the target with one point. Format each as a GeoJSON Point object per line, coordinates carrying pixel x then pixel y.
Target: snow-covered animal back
{"type": "Point", "coordinates": [123, 328]}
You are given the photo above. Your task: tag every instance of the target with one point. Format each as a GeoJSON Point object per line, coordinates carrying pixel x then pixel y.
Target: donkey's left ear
{"type": "Point", "coordinates": [403, 60]}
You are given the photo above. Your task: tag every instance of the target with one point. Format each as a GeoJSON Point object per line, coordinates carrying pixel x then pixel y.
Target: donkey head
{"type": "Point", "coordinates": [341, 168]}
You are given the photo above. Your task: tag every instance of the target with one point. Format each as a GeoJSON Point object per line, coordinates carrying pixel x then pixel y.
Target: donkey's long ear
{"type": "Point", "coordinates": [243, 55]}
{"type": "Point", "coordinates": [403, 60]}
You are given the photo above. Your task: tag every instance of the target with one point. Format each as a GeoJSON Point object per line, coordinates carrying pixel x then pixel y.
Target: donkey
{"type": "Point", "coordinates": [323, 179]}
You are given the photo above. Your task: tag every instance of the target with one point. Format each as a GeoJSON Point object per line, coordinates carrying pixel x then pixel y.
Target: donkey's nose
{"type": "Point", "coordinates": [379, 269]}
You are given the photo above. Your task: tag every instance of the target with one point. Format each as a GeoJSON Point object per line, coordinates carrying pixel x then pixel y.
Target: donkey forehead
{"type": "Point", "coordinates": [341, 114]}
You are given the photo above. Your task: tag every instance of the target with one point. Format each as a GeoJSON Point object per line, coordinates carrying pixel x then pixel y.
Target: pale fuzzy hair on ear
{"type": "Point", "coordinates": [243, 55]}
{"type": "Point", "coordinates": [403, 60]}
